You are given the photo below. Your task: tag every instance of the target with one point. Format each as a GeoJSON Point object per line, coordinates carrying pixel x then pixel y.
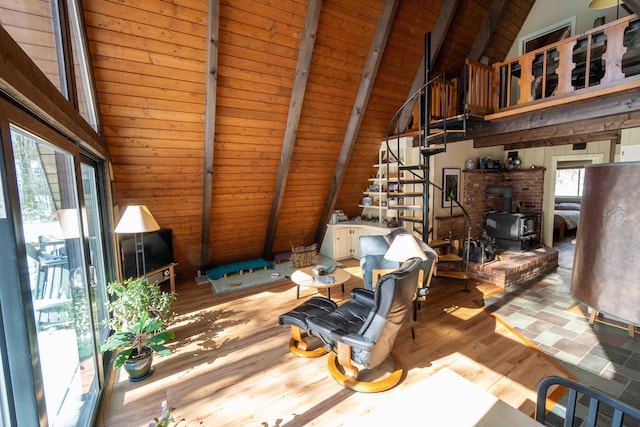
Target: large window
{"type": "Point", "coordinates": [57, 47]}
{"type": "Point", "coordinates": [54, 263]}
{"type": "Point", "coordinates": [569, 182]}
{"type": "Point", "coordinates": [546, 36]}
{"type": "Point", "coordinates": [32, 25]}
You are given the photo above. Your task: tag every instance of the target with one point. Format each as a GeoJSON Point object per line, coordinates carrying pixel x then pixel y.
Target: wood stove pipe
{"type": "Point", "coordinates": [507, 195]}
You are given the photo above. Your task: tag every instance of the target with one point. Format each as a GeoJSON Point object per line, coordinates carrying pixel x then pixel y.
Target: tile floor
{"type": "Point", "coordinates": [601, 356]}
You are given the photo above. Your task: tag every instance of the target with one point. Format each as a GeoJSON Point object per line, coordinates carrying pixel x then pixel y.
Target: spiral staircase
{"type": "Point", "coordinates": [441, 112]}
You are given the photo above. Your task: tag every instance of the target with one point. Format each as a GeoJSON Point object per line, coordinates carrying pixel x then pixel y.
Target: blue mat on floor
{"type": "Point", "coordinates": [256, 264]}
{"type": "Point", "coordinates": [279, 273]}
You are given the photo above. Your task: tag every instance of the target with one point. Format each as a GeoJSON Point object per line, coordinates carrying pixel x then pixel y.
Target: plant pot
{"type": "Point", "coordinates": [139, 367]}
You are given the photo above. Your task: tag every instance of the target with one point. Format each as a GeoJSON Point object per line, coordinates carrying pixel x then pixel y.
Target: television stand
{"type": "Point", "coordinates": [163, 274]}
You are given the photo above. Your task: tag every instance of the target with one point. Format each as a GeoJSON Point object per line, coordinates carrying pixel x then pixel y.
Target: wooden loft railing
{"type": "Point", "coordinates": [444, 93]}
{"type": "Point", "coordinates": [601, 61]}
{"type": "Point", "coordinates": [479, 91]}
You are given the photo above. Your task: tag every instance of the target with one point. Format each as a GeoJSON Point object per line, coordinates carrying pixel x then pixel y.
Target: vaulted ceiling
{"type": "Point", "coordinates": [242, 125]}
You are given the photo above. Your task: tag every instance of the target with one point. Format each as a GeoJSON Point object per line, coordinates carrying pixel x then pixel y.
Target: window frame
{"type": "Point", "coordinates": [580, 183]}
{"type": "Point", "coordinates": [522, 41]}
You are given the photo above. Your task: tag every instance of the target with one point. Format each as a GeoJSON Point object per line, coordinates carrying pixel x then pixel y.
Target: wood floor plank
{"type": "Point", "coordinates": [231, 366]}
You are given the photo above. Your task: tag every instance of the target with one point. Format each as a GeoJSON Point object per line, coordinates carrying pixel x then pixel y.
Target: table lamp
{"type": "Point", "coordinates": [137, 220]}
{"type": "Point", "coordinates": [403, 247]}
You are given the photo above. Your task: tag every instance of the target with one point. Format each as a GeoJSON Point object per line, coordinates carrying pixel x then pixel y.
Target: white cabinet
{"type": "Point", "coordinates": [341, 243]}
{"type": "Point", "coordinates": [343, 240]}
{"type": "Point", "coordinates": [337, 242]}
{"type": "Point", "coordinates": [356, 232]}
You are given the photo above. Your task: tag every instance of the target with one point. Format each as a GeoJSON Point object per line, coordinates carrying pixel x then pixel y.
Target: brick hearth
{"type": "Point", "coordinates": [514, 268]}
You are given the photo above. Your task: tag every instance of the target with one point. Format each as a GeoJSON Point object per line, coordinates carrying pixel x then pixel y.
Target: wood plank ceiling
{"type": "Point", "coordinates": [269, 186]}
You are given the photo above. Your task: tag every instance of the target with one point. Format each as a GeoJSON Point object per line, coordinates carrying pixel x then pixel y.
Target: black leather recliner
{"type": "Point", "coordinates": [372, 251]}
{"type": "Point", "coordinates": [297, 318]}
{"type": "Point", "coordinates": [363, 330]}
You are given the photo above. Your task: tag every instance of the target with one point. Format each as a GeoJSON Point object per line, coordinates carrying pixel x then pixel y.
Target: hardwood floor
{"type": "Point", "coordinates": [231, 365]}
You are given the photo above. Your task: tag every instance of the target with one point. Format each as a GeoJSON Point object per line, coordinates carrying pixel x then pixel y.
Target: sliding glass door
{"type": "Point", "coordinates": [58, 205]}
{"type": "Point", "coordinates": [53, 231]}
{"type": "Point", "coordinates": [93, 200]}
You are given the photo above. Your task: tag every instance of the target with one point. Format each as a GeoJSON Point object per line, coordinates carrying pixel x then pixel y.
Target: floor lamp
{"type": "Point", "coordinates": [137, 220]}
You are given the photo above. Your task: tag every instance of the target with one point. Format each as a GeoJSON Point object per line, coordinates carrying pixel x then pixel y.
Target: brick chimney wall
{"type": "Point", "coordinates": [528, 188]}
{"type": "Point", "coordinates": [476, 201]}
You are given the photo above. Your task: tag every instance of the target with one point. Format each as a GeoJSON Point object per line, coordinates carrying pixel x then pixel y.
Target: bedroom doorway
{"type": "Point", "coordinates": [567, 174]}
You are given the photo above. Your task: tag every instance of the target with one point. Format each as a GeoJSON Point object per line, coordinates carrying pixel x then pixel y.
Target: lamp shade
{"type": "Point", "coordinates": [137, 219]}
{"type": "Point", "coordinates": [68, 220]}
{"type": "Point", "coordinates": [603, 4]}
{"type": "Point", "coordinates": [403, 247]}
{"type": "Point", "coordinates": [606, 271]}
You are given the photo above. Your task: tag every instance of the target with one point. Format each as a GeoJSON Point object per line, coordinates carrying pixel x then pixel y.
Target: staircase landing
{"type": "Point", "coordinates": [513, 268]}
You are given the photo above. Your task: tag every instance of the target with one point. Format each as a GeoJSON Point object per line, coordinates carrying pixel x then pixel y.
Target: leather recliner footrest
{"type": "Point", "coordinates": [313, 307]}
{"type": "Point", "coordinates": [297, 318]}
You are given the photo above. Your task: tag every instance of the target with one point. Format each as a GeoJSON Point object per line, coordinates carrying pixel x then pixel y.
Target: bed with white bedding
{"type": "Point", "coordinates": [566, 217]}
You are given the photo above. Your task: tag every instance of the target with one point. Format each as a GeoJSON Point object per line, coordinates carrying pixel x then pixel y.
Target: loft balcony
{"type": "Point", "coordinates": [571, 85]}
{"type": "Point", "coordinates": [599, 62]}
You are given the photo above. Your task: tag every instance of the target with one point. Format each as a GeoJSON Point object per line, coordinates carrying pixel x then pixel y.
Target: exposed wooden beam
{"type": "Point", "coordinates": [566, 133]}
{"type": "Point", "coordinates": [440, 30]}
{"type": "Point", "coordinates": [571, 139]}
{"type": "Point", "coordinates": [488, 28]}
{"type": "Point", "coordinates": [295, 108]}
{"type": "Point", "coordinates": [438, 34]}
{"type": "Point", "coordinates": [378, 44]}
{"type": "Point", "coordinates": [598, 111]}
{"type": "Point", "coordinates": [209, 125]}
{"type": "Point", "coordinates": [634, 5]}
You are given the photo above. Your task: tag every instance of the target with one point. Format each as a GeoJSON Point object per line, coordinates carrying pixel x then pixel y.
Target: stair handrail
{"type": "Point", "coordinates": [423, 141]}
{"type": "Point", "coordinates": [467, 224]}
{"type": "Point", "coordinates": [415, 97]}
{"type": "Point", "coordinates": [464, 211]}
{"type": "Point", "coordinates": [417, 93]}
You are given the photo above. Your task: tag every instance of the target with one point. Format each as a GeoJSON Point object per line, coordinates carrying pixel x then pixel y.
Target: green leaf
{"type": "Point", "coordinates": [122, 357]}
{"type": "Point", "coordinates": [161, 338]}
{"type": "Point", "coordinates": [160, 349]}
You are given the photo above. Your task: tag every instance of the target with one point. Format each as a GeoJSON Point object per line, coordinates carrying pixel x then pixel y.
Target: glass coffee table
{"type": "Point", "coordinates": [306, 277]}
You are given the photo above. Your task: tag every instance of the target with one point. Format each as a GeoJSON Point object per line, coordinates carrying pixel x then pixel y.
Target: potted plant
{"type": "Point", "coordinates": [133, 297]}
{"type": "Point", "coordinates": [140, 313]}
{"type": "Point", "coordinates": [137, 344]}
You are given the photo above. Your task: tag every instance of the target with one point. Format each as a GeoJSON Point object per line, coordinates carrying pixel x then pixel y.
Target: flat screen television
{"type": "Point", "coordinates": [158, 251]}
